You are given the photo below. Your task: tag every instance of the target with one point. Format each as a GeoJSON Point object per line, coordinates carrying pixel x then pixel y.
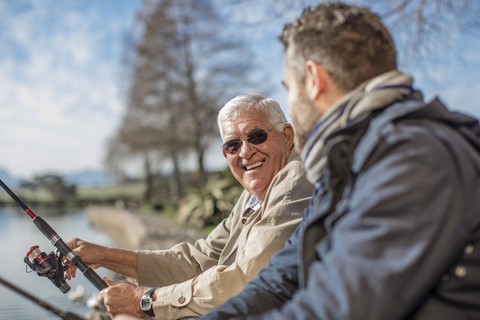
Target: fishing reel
{"type": "Point", "coordinates": [50, 266]}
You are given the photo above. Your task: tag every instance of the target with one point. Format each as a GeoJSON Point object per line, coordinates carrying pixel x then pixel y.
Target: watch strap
{"type": "Point", "coordinates": [148, 295]}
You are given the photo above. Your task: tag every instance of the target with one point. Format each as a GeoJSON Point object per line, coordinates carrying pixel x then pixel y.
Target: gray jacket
{"type": "Point", "coordinates": [394, 236]}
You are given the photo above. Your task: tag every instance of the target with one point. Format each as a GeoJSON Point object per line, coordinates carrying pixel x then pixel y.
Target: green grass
{"type": "Point", "coordinates": [127, 192]}
{"type": "Point", "coordinates": [39, 196]}
{"type": "Point", "coordinates": [132, 191]}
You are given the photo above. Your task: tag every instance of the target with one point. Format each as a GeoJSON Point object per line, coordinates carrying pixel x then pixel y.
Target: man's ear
{"type": "Point", "coordinates": [289, 134]}
{"type": "Point", "coordinates": [314, 79]}
{"type": "Point", "coordinates": [224, 153]}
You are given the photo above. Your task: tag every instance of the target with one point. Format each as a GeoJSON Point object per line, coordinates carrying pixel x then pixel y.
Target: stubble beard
{"type": "Point", "coordinates": [304, 120]}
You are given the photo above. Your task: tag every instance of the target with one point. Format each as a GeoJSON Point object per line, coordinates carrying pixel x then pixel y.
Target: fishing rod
{"type": "Point", "coordinates": [44, 264]}
{"type": "Point", "coordinates": [40, 302]}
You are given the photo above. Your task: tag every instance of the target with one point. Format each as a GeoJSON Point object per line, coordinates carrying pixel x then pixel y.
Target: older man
{"type": "Point", "coordinates": [393, 228]}
{"type": "Point", "coordinates": [188, 280]}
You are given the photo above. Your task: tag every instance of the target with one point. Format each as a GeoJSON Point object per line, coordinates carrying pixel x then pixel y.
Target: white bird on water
{"type": "Point", "coordinates": [78, 295]}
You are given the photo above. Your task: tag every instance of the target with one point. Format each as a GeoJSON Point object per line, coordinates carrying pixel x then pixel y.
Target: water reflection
{"type": "Point", "coordinates": [17, 235]}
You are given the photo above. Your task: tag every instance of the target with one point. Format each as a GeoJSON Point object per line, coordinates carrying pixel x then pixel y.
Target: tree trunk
{"type": "Point", "coordinates": [147, 167]}
{"type": "Point", "coordinates": [175, 180]}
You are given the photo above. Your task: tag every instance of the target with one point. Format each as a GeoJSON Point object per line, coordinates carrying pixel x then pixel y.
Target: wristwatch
{"type": "Point", "coordinates": [146, 303]}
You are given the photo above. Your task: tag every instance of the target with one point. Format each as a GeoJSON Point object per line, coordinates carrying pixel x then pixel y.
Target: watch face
{"type": "Point", "coordinates": [146, 303]}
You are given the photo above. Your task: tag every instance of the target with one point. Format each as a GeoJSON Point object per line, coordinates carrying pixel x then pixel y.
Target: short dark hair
{"type": "Point", "coordinates": [350, 42]}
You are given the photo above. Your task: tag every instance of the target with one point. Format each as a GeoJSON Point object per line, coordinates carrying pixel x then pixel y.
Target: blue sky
{"type": "Point", "coordinates": [59, 68]}
{"type": "Point", "coordinates": [61, 93]}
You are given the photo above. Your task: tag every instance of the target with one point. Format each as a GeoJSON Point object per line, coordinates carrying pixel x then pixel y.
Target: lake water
{"type": "Point", "coordinates": [17, 235]}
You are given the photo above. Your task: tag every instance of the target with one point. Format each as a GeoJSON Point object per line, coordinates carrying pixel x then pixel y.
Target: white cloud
{"type": "Point", "coordinates": [59, 97]}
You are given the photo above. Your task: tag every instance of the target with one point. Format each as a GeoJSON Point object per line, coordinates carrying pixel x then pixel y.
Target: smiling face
{"type": "Point", "coordinates": [255, 165]}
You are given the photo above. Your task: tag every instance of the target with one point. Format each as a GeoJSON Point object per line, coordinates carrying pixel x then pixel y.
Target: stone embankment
{"type": "Point", "coordinates": [139, 230]}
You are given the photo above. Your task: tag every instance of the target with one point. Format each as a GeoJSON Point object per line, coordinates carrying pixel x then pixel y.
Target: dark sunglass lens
{"type": "Point", "coordinates": [232, 146]}
{"type": "Point", "coordinates": [257, 137]}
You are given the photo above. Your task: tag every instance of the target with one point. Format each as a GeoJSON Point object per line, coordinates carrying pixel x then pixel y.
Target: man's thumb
{"type": "Point", "coordinates": [107, 281]}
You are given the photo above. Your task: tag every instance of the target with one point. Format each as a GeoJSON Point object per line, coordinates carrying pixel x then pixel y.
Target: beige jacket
{"type": "Point", "coordinates": [196, 278]}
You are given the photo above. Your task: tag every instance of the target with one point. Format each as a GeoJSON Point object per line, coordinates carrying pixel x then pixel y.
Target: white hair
{"type": "Point", "coordinates": [250, 101]}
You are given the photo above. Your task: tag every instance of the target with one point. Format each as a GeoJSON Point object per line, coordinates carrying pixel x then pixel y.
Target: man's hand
{"type": "Point", "coordinates": [119, 260]}
{"type": "Point", "coordinates": [122, 298]}
{"type": "Point", "coordinates": [90, 253]}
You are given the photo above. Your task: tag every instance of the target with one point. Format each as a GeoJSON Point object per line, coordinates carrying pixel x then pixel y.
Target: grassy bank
{"type": "Point", "coordinates": [127, 193]}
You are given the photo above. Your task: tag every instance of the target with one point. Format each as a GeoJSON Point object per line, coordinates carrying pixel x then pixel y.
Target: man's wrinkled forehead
{"type": "Point", "coordinates": [246, 122]}
{"type": "Point", "coordinates": [247, 115]}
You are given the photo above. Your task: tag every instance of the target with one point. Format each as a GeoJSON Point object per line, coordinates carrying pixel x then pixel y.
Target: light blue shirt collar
{"type": "Point", "coordinates": [254, 203]}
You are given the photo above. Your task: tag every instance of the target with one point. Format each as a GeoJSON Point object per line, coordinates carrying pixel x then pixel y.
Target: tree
{"type": "Point", "coordinates": [420, 27]}
{"type": "Point", "coordinates": [423, 27]}
{"type": "Point", "coordinates": [183, 67]}
{"type": "Point", "coordinates": [55, 185]}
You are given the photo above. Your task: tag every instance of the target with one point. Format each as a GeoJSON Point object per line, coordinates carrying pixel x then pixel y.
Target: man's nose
{"type": "Point", "coordinates": [247, 150]}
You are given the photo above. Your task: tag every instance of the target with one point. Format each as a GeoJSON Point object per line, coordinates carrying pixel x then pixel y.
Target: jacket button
{"type": "Point", "coordinates": [468, 249]}
{"type": "Point", "coordinates": [460, 271]}
{"type": "Point", "coordinates": [244, 220]}
{"type": "Point", "coordinates": [181, 299]}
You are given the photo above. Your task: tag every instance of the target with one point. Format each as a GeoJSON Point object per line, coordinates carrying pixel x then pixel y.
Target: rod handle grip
{"type": "Point", "coordinates": [95, 279]}
{"type": "Point", "coordinates": [44, 227]}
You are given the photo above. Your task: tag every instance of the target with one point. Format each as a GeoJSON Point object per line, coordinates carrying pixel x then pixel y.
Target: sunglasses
{"type": "Point", "coordinates": [255, 137]}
